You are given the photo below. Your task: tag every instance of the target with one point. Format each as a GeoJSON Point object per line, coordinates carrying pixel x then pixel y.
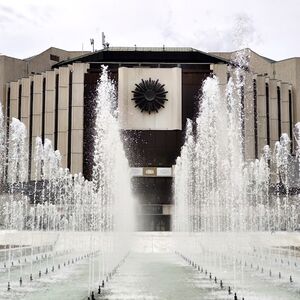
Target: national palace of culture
{"type": "Point", "coordinates": [53, 92]}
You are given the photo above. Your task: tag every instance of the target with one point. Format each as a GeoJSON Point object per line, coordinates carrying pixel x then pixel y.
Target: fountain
{"type": "Point", "coordinates": [56, 221]}
{"type": "Point", "coordinates": [234, 225]}
{"type": "Point", "coordinates": [236, 218]}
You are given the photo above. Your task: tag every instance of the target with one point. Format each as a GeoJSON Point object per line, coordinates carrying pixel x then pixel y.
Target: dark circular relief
{"type": "Point", "coordinates": [149, 95]}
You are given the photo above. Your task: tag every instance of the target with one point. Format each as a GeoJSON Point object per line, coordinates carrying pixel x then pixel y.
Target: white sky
{"type": "Point", "coordinates": [269, 27]}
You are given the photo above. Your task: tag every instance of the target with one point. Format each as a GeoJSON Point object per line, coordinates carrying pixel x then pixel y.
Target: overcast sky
{"type": "Point", "coordinates": [269, 27]}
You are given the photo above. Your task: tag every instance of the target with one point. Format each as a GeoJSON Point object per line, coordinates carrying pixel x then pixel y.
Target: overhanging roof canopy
{"type": "Point", "coordinates": [146, 55]}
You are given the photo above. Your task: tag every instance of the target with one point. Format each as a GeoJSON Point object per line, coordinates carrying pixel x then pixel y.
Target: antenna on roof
{"type": "Point", "coordinates": [105, 44]}
{"type": "Point", "coordinates": [92, 41]}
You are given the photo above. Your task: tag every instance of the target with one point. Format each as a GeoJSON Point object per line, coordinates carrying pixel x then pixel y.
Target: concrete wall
{"type": "Point", "coordinates": [257, 63]}
{"type": "Point", "coordinates": [11, 69]}
{"type": "Point", "coordinates": [249, 142]}
{"type": "Point", "coordinates": [63, 108]}
{"type": "Point", "coordinates": [285, 122]}
{"type": "Point", "coordinates": [260, 65]}
{"type": "Point", "coordinates": [78, 71]}
{"type": "Point", "coordinates": [25, 107]}
{"type": "Point", "coordinates": [50, 104]}
{"type": "Point", "coordinates": [284, 74]}
{"type": "Point", "coordinates": [168, 118]}
{"type": "Point", "coordinates": [289, 73]}
{"type": "Point", "coordinates": [77, 105]}
{"type": "Point", "coordinates": [222, 72]}
{"type": "Point", "coordinates": [261, 111]}
{"type": "Point", "coordinates": [14, 89]}
{"type": "Point", "coordinates": [43, 62]}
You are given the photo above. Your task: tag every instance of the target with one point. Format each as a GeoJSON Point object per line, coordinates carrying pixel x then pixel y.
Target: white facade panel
{"type": "Point", "coordinates": [168, 117]}
{"type": "Point", "coordinates": [151, 172]}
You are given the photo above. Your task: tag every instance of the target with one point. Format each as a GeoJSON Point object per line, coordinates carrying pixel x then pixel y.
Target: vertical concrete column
{"type": "Point", "coordinates": [261, 111]}
{"type": "Point", "coordinates": [14, 93]}
{"type": "Point", "coordinates": [63, 102]}
{"type": "Point", "coordinates": [292, 117]}
{"type": "Point", "coordinates": [36, 116]}
{"type": "Point", "coordinates": [279, 108]}
{"type": "Point", "coordinates": [273, 112]}
{"type": "Point", "coordinates": [249, 118]}
{"type": "Point", "coordinates": [286, 123]}
{"type": "Point", "coordinates": [30, 128]}
{"type": "Point", "coordinates": [285, 120]}
{"type": "Point", "coordinates": [4, 105]}
{"type": "Point", "coordinates": [50, 105]}
{"type": "Point", "coordinates": [37, 105]}
{"type": "Point", "coordinates": [25, 106]}
{"type": "Point", "coordinates": [25, 102]}
{"type": "Point", "coordinates": [221, 71]}
{"type": "Point", "coordinates": [78, 69]}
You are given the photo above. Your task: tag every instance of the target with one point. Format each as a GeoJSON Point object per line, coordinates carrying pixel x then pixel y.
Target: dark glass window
{"type": "Point", "coordinates": [153, 190]}
{"type": "Point", "coordinates": [20, 102]}
{"type": "Point", "coordinates": [70, 122]}
{"type": "Point", "coordinates": [291, 118]}
{"type": "Point", "coordinates": [255, 118]}
{"type": "Point", "coordinates": [43, 109]}
{"type": "Point", "coordinates": [7, 122]}
{"type": "Point", "coordinates": [30, 126]}
{"type": "Point", "coordinates": [228, 76]}
{"type": "Point", "coordinates": [54, 57]}
{"type": "Point", "coordinates": [56, 111]}
{"type": "Point", "coordinates": [268, 114]}
{"type": "Point", "coordinates": [279, 111]}
{"type": "Point", "coordinates": [8, 109]}
{"type": "Point", "coordinates": [242, 91]}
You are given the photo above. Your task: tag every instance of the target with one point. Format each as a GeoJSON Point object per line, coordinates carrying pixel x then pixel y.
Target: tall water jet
{"type": "Point", "coordinates": [2, 146]}
{"type": "Point", "coordinates": [17, 162]}
{"type": "Point", "coordinates": [222, 201]}
{"type": "Point", "coordinates": [16, 176]}
{"type": "Point", "coordinates": [50, 220]}
{"type": "Point", "coordinates": [113, 205]}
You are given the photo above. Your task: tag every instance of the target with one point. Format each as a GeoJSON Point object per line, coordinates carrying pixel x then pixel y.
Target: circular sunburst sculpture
{"type": "Point", "coordinates": [149, 95]}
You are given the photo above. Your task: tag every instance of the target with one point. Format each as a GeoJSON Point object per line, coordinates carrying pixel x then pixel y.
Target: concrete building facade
{"type": "Point", "coordinates": [55, 100]}
{"type": "Point", "coordinates": [13, 69]}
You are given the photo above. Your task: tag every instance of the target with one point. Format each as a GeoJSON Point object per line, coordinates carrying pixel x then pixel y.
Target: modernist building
{"type": "Point", "coordinates": [57, 102]}
{"type": "Point", "coordinates": [12, 69]}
